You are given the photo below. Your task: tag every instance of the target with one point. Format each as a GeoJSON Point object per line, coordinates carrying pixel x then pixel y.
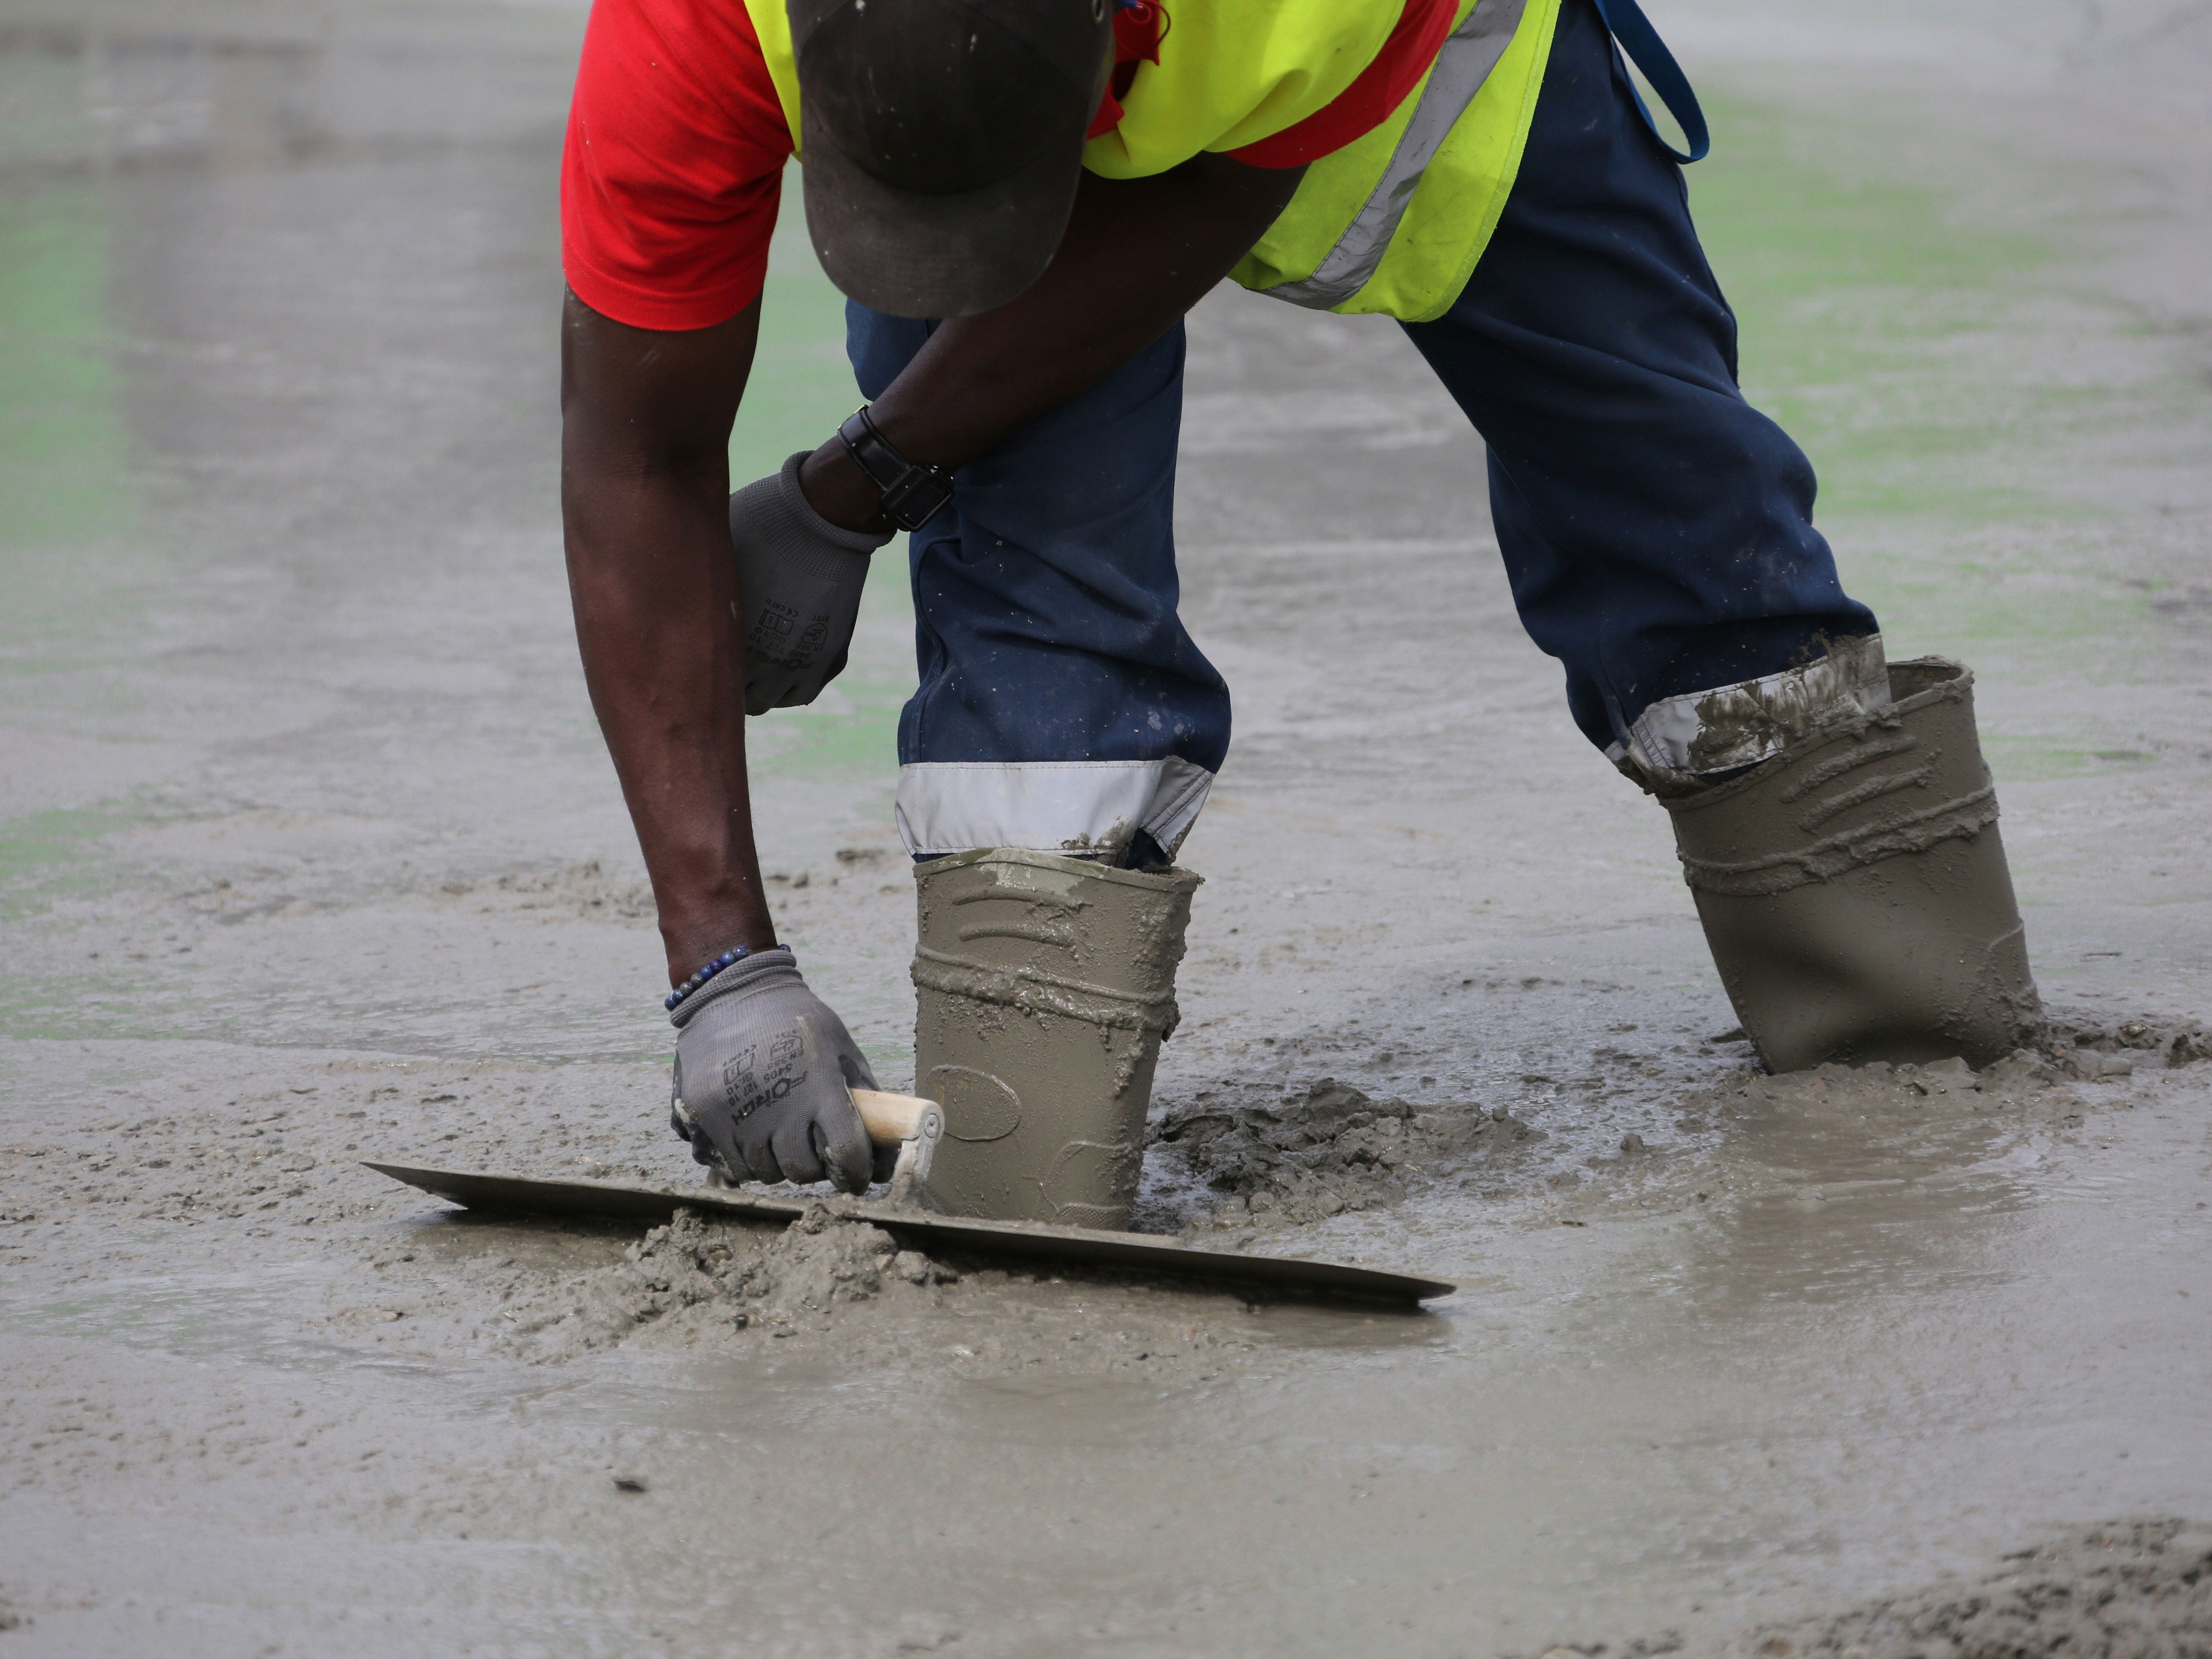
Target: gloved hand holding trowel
{"type": "Point", "coordinates": [764, 1074]}
{"type": "Point", "coordinates": [1022, 198]}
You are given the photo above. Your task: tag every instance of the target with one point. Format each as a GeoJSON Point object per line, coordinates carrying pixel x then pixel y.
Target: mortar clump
{"type": "Point", "coordinates": [2134, 1590]}
{"type": "Point", "coordinates": [1295, 1162]}
{"type": "Point", "coordinates": [694, 1280]}
{"type": "Point", "coordinates": [2073, 1040]}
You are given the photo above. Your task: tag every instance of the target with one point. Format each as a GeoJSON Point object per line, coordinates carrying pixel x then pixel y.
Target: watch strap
{"type": "Point", "coordinates": [914, 491]}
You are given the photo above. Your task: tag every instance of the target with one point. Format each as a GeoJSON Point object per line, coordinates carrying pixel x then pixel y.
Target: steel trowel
{"type": "Point", "coordinates": [910, 1212]}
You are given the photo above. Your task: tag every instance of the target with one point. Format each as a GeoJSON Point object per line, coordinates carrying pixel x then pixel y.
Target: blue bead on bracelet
{"type": "Point", "coordinates": [728, 958]}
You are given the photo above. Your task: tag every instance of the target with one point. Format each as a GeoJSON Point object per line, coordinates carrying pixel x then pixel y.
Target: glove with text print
{"type": "Point", "coordinates": [799, 578]}
{"type": "Point", "coordinates": [764, 1075]}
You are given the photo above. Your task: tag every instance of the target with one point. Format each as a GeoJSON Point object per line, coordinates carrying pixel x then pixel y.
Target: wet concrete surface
{"type": "Point", "coordinates": [309, 851]}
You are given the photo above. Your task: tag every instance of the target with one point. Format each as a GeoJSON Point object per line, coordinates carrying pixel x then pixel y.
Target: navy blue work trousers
{"type": "Point", "coordinates": [1657, 529]}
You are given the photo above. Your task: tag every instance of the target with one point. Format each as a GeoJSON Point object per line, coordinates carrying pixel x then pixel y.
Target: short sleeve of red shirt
{"type": "Point", "coordinates": [674, 162]}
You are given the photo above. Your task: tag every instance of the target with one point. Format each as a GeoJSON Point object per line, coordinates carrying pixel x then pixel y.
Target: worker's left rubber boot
{"type": "Point", "coordinates": [1044, 988]}
{"type": "Point", "coordinates": [1854, 889]}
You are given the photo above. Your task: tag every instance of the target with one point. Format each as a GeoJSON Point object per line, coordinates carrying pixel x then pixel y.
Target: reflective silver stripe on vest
{"type": "Point", "coordinates": [1462, 67]}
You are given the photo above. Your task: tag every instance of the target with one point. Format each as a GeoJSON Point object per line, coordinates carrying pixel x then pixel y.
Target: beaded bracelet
{"type": "Point", "coordinates": [707, 972]}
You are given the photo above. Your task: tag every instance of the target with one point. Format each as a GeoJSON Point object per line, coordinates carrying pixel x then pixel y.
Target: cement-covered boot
{"type": "Point", "coordinates": [1854, 889]}
{"type": "Point", "coordinates": [1044, 986]}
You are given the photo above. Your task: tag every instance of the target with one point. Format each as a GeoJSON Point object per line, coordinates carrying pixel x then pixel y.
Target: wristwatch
{"type": "Point", "coordinates": [913, 493]}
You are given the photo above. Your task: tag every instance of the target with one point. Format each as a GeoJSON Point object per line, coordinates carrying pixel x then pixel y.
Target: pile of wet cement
{"type": "Point", "coordinates": [1293, 1162]}
{"type": "Point", "coordinates": [1264, 1162]}
{"type": "Point", "coordinates": [1267, 1162]}
{"type": "Point", "coordinates": [2139, 1589]}
{"type": "Point", "coordinates": [693, 1278]}
{"type": "Point", "coordinates": [2070, 1038]}
{"type": "Point", "coordinates": [699, 1283]}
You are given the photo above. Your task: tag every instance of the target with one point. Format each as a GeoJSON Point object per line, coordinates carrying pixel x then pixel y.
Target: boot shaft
{"type": "Point", "coordinates": [1854, 891]}
{"type": "Point", "coordinates": [1043, 987]}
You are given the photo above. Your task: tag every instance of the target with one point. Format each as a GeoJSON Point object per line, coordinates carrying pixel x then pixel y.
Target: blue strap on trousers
{"type": "Point", "coordinates": [1628, 24]}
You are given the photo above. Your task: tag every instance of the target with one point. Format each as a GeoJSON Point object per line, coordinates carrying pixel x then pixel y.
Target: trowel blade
{"type": "Point", "coordinates": [1018, 1241]}
{"type": "Point", "coordinates": [592, 1200]}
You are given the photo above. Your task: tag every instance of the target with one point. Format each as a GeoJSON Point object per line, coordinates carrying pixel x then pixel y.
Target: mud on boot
{"type": "Point", "coordinates": [1854, 889]}
{"type": "Point", "coordinates": [1043, 987]}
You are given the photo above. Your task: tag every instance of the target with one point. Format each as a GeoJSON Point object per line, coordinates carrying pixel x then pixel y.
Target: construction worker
{"type": "Point", "coordinates": [1022, 198]}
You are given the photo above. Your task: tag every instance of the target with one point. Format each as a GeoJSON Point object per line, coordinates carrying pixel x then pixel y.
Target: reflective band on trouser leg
{"type": "Point", "coordinates": [1061, 706]}
{"type": "Point", "coordinates": [1082, 808]}
{"type": "Point", "coordinates": [1728, 727]}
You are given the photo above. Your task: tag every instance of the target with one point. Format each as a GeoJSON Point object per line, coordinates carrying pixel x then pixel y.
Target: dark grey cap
{"type": "Point", "coordinates": [942, 141]}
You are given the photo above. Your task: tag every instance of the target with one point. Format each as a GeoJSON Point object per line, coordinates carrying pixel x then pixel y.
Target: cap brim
{"type": "Point", "coordinates": [911, 255]}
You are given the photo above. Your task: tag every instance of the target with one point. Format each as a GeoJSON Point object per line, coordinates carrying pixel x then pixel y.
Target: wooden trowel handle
{"type": "Point", "coordinates": [891, 1118]}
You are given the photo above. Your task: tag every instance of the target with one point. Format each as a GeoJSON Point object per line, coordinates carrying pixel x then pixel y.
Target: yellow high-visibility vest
{"type": "Point", "coordinates": [1394, 222]}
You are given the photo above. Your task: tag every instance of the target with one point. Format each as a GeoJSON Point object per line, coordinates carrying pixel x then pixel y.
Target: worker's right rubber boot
{"type": "Point", "coordinates": [1043, 987]}
{"type": "Point", "coordinates": [1854, 888]}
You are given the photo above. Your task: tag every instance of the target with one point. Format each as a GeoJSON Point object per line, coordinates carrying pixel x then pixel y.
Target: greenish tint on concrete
{"type": "Point", "coordinates": [66, 494]}
{"type": "Point", "coordinates": [1867, 309]}
{"type": "Point", "coordinates": [853, 730]}
{"type": "Point", "coordinates": [47, 855]}
{"type": "Point", "coordinates": [42, 1008]}
{"type": "Point", "coordinates": [2032, 759]}
{"type": "Point", "coordinates": [1903, 343]}
{"type": "Point", "coordinates": [1972, 405]}
{"type": "Point", "coordinates": [64, 453]}
{"type": "Point", "coordinates": [801, 387]}
{"type": "Point", "coordinates": [801, 384]}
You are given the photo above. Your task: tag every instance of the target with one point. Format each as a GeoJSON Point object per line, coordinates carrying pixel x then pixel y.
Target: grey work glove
{"type": "Point", "coordinates": [763, 1076]}
{"type": "Point", "coordinates": [801, 577]}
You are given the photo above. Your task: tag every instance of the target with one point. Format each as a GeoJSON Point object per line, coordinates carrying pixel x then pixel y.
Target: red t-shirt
{"type": "Point", "coordinates": [675, 157]}
{"type": "Point", "coordinates": [677, 142]}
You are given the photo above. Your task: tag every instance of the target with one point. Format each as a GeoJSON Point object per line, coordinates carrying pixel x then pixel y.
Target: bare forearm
{"type": "Point", "coordinates": [1108, 294]}
{"type": "Point", "coordinates": [666, 674]}
{"type": "Point", "coordinates": [644, 491]}
{"type": "Point", "coordinates": [1137, 255]}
